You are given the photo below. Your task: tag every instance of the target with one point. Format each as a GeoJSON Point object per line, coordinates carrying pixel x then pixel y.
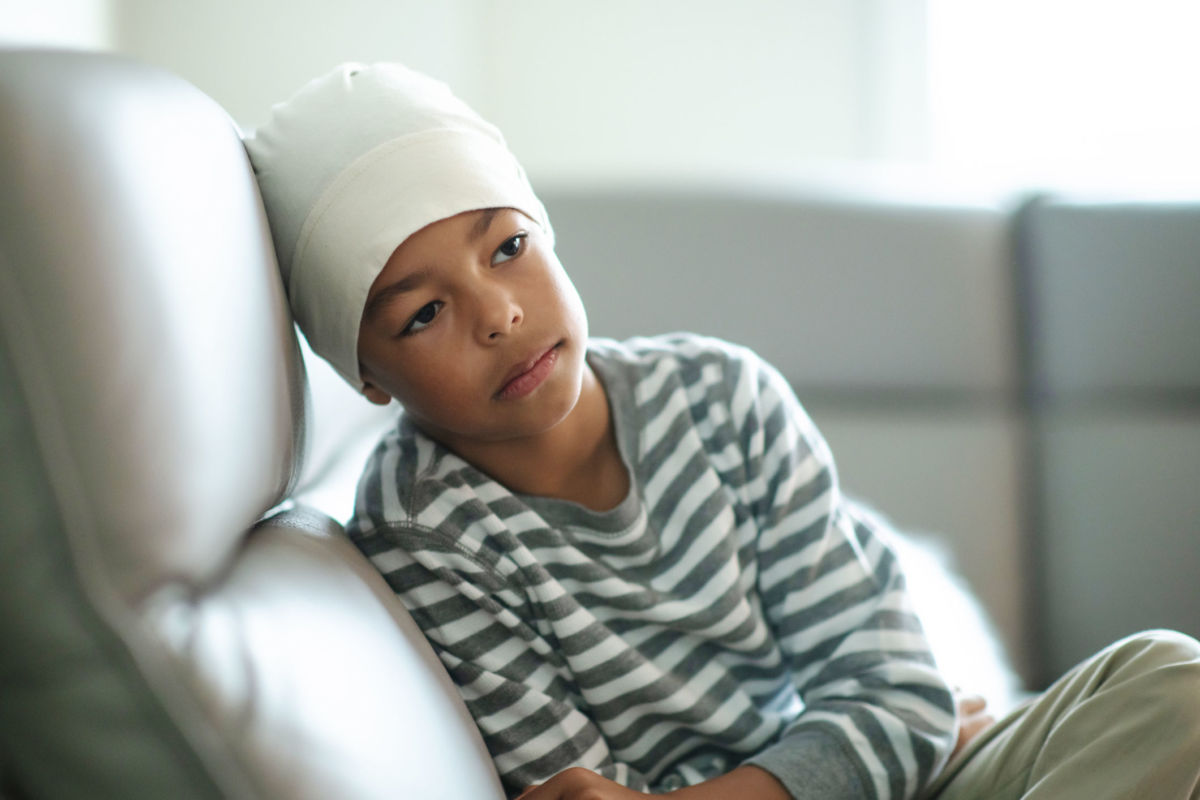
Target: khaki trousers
{"type": "Point", "coordinates": [1123, 724]}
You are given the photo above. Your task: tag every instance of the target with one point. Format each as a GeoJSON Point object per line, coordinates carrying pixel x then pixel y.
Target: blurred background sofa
{"type": "Point", "coordinates": [1013, 379]}
{"type": "Point", "coordinates": [1015, 376]}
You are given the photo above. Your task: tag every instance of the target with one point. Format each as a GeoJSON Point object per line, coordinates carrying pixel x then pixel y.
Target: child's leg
{"type": "Point", "coordinates": [1124, 724]}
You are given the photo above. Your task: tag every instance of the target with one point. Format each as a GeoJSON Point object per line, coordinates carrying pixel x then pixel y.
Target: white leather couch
{"type": "Point", "coordinates": [159, 639]}
{"type": "Point", "coordinates": [179, 614]}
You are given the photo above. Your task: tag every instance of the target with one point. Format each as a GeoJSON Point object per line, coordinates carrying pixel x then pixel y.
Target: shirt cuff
{"type": "Point", "coordinates": [813, 765]}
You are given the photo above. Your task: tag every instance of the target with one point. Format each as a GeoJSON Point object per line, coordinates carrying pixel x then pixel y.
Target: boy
{"type": "Point", "coordinates": [633, 558]}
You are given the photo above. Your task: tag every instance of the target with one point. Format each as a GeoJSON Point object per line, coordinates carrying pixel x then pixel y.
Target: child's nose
{"type": "Point", "coordinates": [499, 314]}
{"type": "Point", "coordinates": [504, 328]}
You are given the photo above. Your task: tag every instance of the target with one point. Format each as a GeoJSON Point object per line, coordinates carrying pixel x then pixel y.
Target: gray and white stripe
{"type": "Point", "coordinates": [735, 607]}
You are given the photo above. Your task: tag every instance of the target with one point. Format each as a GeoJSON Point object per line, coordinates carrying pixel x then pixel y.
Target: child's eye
{"type": "Point", "coordinates": [511, 248]}
{"type": "Point", "coordinates": [422, 318]}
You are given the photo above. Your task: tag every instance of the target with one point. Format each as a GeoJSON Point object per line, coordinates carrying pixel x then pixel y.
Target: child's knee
{"type": "Point", "coordinates": [1166, 664]}
{"type": "Point", "coordinates": [1159, 648]}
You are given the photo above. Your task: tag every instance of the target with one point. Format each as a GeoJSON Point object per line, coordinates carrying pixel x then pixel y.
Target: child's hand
{"type": "Point", "coordinates": [578, 783]}
{"type": "Point", "coordinates": [972, 719]}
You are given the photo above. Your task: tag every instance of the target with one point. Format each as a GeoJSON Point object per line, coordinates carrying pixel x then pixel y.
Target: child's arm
{"type": "Point", "coordinates": [583, 784]}
{"type": "Point", "coordinates": [878, 718]}
{"type": "Point", "coordinates": [579, 783]}
{"type": "Point", "coordinates": [521, 697]}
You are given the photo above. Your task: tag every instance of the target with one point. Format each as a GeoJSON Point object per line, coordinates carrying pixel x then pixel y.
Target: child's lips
{"type": "Point", "coordinates": [529, 374]}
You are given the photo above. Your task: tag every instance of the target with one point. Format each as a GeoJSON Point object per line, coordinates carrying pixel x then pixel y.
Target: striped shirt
{"type": "Point", "coordinates": [734, 608]}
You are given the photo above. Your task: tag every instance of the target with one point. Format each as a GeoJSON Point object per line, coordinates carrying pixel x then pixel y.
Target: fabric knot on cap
{"type": "Point", "coordinates": [352, 165]}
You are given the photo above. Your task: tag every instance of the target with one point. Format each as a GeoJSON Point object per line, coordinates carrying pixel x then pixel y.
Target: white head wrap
{"type": "Point", "coordinates": [351, 166]}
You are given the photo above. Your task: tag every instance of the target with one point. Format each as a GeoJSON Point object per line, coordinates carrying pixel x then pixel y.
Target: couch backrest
{"type": "Point", "coordinates": [156, 638]}
{"type": "Point", "coordinates": [843, 291]}
{"type": "Point", "coordinates": [1112, 290]}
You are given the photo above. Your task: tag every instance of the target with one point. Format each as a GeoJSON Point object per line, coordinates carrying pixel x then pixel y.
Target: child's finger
{"type": "Point", "coordinates": [973, 727]}
{"type": "Point", "coordinates": [971, 704]}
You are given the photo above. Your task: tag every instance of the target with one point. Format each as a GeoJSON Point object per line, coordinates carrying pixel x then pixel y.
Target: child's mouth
{"type": "Point", "coordinates": [531, 375]}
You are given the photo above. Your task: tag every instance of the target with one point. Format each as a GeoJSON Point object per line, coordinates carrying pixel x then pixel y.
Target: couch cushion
{"type": "Point", "coordinates": [80, 715]}
{"type": "Point", "coordinates": [840, 291]}
{"type": "Point", "coordinates": [317, 679]}
{"type": "Point", "coordinates": [1121, 514]}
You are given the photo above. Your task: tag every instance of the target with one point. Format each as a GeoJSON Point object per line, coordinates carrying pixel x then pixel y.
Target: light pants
{"type": "Point", "coordinates": [1124, 724]}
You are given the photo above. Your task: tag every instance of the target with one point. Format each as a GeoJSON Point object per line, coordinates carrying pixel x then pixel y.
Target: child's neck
{"type": "Point", "coordinates": [577, 460]}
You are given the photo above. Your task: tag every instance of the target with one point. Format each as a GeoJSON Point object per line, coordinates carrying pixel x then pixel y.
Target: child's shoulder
{"type": "Point", "coordinates": [682, 349]}
{"type": "Point", "coordinates": [706, 370]}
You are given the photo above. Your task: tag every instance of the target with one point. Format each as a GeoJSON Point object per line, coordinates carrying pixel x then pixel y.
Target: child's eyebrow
{"type": "Point", "coordinates": [406, 284]}
{"type": "Point", "coordinates": [480, 228]}
{"type": "Point", "coordinates": [414, 279]}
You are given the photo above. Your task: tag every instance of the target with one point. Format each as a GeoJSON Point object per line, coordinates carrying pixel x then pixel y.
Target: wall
{"type": "Point", "coordinates": [1078, 92]}
{"type": "Point", "coordinates": [628, 89]}
{"type": "Point", "coordinates": [248, 55]}
{"type": "Point", "coordinates": [623, 89]}
{"type": "Point", "coordinates": [60, 23]}
{"type": "Point", "coordinates": [583, 91]}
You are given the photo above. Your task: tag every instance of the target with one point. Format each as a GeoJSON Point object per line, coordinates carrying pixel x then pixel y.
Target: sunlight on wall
{"type": "Point", "coordinates": [625, 89]}
{"type": "Point", "coordinates": [1030, 91]}
{"type": "Point", "coordinates": [631, 90]}
{"type": "Point", "coordinates": [85, 24]}
{"type": "Point", "coordinates": [1076, 91]}
{"type": "Point", "coordinates": [249, 54]}
{"type": "Point", "coordinates": [621, 90]}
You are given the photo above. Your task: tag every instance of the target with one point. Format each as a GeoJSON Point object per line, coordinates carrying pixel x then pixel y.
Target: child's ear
{"type": "Point", "coordinates": [376, 395]}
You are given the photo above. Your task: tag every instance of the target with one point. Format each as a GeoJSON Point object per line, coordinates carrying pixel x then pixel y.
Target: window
{"type": "Point", "coordinates": [1081, 91]}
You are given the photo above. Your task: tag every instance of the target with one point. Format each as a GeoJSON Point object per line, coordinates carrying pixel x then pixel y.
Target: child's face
{"type": "Point", "coordinates": [475, 328]}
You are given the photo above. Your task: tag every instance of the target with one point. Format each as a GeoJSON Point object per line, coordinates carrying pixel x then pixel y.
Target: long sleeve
{"type": "Point", "coordinates": [732, 607]}
{"type": "Point", "coordinates": [512, 677]}
{"type": "Point", "coordinates": [877, 719]}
